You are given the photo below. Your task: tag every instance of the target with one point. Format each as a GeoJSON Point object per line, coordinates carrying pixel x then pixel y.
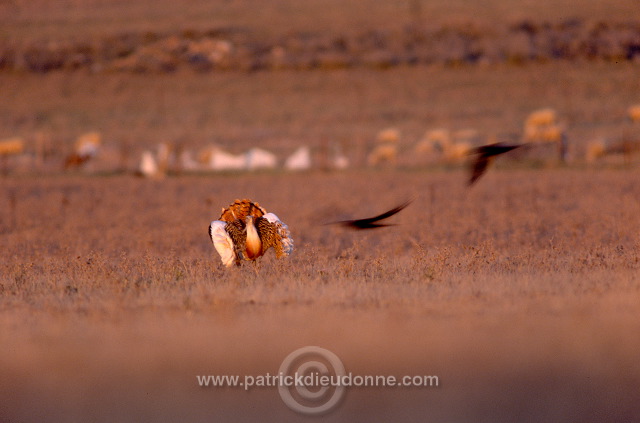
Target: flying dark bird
{"type": "Point", "coordinates": [372, 222]}
{"type": "Point", "coordinates": [485, 155]}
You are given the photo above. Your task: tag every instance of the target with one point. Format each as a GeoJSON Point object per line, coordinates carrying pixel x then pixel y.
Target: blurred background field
{"type": "Point", "coordinates": [282, 110]}
{"type": "Point", "coordinates": [72, 18]}
{"type": "Point", "coordinates": [521, 293]}
{"type": "Point", "coordinates": [327, 76]}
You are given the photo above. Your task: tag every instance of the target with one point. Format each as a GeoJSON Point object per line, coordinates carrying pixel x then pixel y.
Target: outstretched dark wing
{"type": "Point", "coordinates": [478, 167]}
{"type": "Point", "coordinates": [372, 222]}
{"type": "Point", "coordinates": [484, 155]}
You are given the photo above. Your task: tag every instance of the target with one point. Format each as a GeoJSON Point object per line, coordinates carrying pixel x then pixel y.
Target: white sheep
{"type": "Point", "coordinates": [87, 145]}
{"type": "Point", "coordinates": [541, 118]}
{"type": "Point", "coordinates": [433, 141]}
{"type": "Point", "coordinates": [389, 135]}
{"type": "Point", "coordinates": [258, 158]}
{"type": "Point", "coordinates": [338, 160]}
{"type": "Point", "coordinates": [217, 159]}
{"type": "Point", "coordinates": [148, 166]}
{"type": "Point", "coordinates": [85, 148]}
{"type": "Point", "coordinates": [299, 160]}
{"type": "Point", "coordinates": [383, 153]}
{"type": "Point", "coordinates": [623, 148]}
{"type": "Point", "coordinates": [542, 127]}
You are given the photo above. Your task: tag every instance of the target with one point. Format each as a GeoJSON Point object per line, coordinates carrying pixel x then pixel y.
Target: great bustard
{"type": "Point", "coordinates": [245, 231]}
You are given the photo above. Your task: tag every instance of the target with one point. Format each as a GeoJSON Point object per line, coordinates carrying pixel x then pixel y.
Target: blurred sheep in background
{"type": "Point", "coordinates": [634, 113]}
{"type": "Point", "coordinates": [542, 127]}
{"type": "Point", "coordinates": [433, 142]}
{"type": "Point", "coordinates": [299, 160]}
{"type": "Point", "coordinates": [386, 149]}
{"type": "Point", "coordinates": [215, 158]}
{"type": "Point", "coordinates": [617, 151]}
{"type": "Point", "coordinates": [444, 146]}
{"type": "Point", "coordinates": [385, 153]}
{"type": "Point", "coordinates": [11, 146]}
{"type": "Point", "coordinates": [258, 158]}
{"type": "Point", "coordinates": [86, 147]}
{"type": "Point", "coordinates": [461, 144]}
{"type": "Point", "coordinates": [388, 135]}
{"type": "Point", "coordinates": [148, 166]}
{"type": "Point", "coordinates": [339, 160]}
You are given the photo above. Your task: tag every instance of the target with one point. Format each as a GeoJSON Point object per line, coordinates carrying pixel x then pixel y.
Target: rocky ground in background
{"type": "Point", "coordinates": [238, 49]}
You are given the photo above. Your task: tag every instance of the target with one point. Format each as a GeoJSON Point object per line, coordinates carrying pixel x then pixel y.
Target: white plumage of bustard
{"type": "Point", "coordinates": [245, 231]}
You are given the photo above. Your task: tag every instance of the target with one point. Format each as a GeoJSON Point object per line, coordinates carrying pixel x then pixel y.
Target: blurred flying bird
{"type": "Point", "coordinates": [245, 231]}
{"type": "Point", "coordinates": [371, 222]}
{"type": "Point", "coordinates": [485, 155]}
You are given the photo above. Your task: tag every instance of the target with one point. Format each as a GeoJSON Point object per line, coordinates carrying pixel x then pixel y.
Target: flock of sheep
{"type": "Point", "coordinates": [213, 158]}
{"type": "Point", "coordinates": [541, 127]}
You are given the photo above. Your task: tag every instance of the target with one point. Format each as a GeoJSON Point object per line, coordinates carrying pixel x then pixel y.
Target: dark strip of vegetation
{"type": "Point", "coordinates": [236, 49]}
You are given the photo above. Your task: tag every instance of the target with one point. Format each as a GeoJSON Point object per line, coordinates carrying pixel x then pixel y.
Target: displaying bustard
{"type": "Point", "coordinates": [245, 231]}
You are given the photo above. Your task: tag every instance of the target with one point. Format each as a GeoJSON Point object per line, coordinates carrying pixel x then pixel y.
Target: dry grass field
{"type": "Point", "coordinates": [522, 293]}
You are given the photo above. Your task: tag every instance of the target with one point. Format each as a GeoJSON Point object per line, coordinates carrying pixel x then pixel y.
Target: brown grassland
{"type": "Point", "coordinates": [522, 294]}
{"type": "Point", "coordinates": [32, 19]}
